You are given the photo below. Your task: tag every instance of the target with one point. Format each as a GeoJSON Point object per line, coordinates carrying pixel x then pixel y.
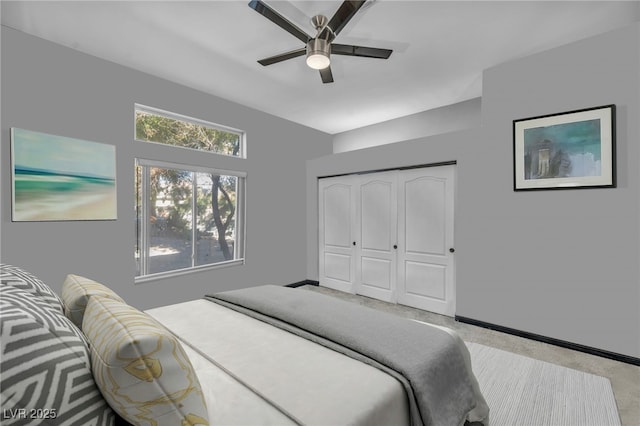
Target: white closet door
{"type": "Point", "coordinates": [337, 233]}
{"type": "Point", "coordinates": [375, 250]}
{"type": "Point", "coordinates": [425, 241]}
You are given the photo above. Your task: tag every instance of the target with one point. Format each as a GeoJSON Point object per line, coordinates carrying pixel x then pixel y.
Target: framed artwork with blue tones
{"type": "Point", "coordinates": [574, 149]}
{"type": "Point", "coordinates": [57, 178]}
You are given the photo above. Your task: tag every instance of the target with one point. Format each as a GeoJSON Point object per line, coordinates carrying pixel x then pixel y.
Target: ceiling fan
{"type": "Point", "coordinates": [318, 49]}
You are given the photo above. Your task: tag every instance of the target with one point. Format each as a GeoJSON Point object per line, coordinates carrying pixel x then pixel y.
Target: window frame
{"type": "Point", "coordinates": [144, 232]}
{"type": "Point", "coordinates": [242, 149]}
{"type": "Point", "coordinates": [143, 229]}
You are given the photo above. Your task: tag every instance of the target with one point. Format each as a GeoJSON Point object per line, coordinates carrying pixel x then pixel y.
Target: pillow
{"type": "Point", "coordinates": [76, 292]}
{"type": "Point", "coordinates": [140, 367]}
{"type": "Point", "coordinates": [46, 374]}
{"type": "Point", "coordinates": [17, 277]}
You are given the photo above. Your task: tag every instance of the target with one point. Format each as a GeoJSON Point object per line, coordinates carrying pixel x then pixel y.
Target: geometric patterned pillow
{"type": "Point", "coordinates": [45, 373]}
{"type": "Point", "coordinates": [76, 292]}
{"type": "Point", "coordinates": [140, 367]}
{"type": "Point", "coordinates": [19, 278]}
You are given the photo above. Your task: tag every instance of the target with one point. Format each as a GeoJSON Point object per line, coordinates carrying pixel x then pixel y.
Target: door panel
{"type": "Point", "coordinates": [376, 199]}
{"type": "Point", "coordinates": [425, 215]}
{"type": "Point", "coordinates": [336, 201]}
{"type": "Point", "coordinates": [376, 273]}
{"type": "Point", "coordinates": [425, 265]}
{"type": "Point", "coordinates": [377, 211]}
{"type": "Point", "coordinates": [425, 280]}
{"type": "Point", "coordinates": [338, 267]}
{"type": "Point", "coordinates": [337, 206]}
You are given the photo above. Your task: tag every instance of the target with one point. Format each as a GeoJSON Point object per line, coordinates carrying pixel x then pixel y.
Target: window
{"type": "Point", "coordinates": [187, 217]}
{"type": "Point", "coordinates": [154, 125]}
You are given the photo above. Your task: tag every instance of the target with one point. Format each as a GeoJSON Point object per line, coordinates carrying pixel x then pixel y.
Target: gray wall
{"type": "Point", "coordinates": [562, 264]}
{"type": "Point", "coordinates": [557, 263]}
{"type": "Point", "coordinates": [450, 118]}
{"type": "Point", "coordinates": [53, 89]}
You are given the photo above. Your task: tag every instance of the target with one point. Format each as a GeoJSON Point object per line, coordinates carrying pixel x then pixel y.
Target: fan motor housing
{"type": "Point", "coordinates": [318, 46]}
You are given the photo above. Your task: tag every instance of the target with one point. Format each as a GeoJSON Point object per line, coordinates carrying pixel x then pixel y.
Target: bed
{"type": "Point", "coordinates": [268, 355]}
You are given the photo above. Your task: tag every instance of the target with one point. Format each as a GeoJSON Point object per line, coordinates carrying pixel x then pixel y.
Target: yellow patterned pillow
{"type": "Point", "coordinates": [140, 367]}
{"type": "Point", "coordinates": [76, 292]}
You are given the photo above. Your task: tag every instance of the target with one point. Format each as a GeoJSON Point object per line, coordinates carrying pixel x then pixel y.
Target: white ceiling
{"type": "Point", "coordinates": [440, 48]}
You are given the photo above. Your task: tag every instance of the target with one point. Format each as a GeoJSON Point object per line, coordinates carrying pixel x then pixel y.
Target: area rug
{"type": "Point", "coordinates": [522, 391]}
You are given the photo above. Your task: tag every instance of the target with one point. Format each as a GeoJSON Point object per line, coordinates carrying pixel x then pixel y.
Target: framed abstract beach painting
{"type": "Point", "coordinates": [574, 149]}
{"type": "Point", "coordinates": [56, 178]}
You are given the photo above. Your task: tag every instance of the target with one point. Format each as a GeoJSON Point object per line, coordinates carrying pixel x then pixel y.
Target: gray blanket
{"type": "Point", "coordinates": [426, 360]}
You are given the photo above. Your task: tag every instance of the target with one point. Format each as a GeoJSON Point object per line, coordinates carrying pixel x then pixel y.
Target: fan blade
{"type": "Point", "coordinates": [343, 15]}
{"type": "Point", "coordinates": [279, 20]}
{"type": "Point", "coordinates": [282, 57]}
{"type": "Point", "coordinates": [327, 76]}
{"type": "Point", "coordinates": [367, 52]}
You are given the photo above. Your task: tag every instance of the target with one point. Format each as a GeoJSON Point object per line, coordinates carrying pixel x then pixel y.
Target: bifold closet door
{"type": "Point", "coordinates": [377, 211]}
{"type": "Point", "coordinates": [337, 233]}
{"type": "Point", "coordinates": [389, 236]}
{"type": "Point", "coordinates": [425, 240]}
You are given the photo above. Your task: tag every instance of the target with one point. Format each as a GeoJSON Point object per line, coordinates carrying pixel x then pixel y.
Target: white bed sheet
{"type": "Point", "coordinates": [229, 402]}
{"type": "Point", "coordinates": [253, 373]}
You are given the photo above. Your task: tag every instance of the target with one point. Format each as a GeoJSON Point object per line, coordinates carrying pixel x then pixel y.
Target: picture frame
{"type": "Point", "coordinates": [568, 150]}
{"type": "Point", "coordinates": [56, 178]}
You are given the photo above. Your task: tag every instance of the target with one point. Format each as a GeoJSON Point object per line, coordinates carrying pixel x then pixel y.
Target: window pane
{"type": "Point", "coordinates": [216, 218]}
{"type": "Point", "coordinates": [170, 220]}
{"type": "Point", "coordinates": [187, 134]}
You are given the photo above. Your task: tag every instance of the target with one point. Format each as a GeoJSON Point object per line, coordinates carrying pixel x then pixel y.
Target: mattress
{"type": "Point", "coordinates": [253, 373]}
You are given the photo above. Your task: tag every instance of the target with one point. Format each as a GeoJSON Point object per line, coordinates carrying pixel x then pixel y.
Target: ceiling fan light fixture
{"type": "Point", "coordinates": [318, 52]}
{"type": "Point", "coordinates": [318, 49]}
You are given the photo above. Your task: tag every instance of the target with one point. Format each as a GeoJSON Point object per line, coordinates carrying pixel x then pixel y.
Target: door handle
{"type": "Point", "coordinates": [451, 250]}
{"type": "Point", "coordinates": [395, 246]}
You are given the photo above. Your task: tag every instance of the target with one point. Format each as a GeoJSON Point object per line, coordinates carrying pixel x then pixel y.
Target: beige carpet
{"type": "Point", "coordinates": [522, 391]}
